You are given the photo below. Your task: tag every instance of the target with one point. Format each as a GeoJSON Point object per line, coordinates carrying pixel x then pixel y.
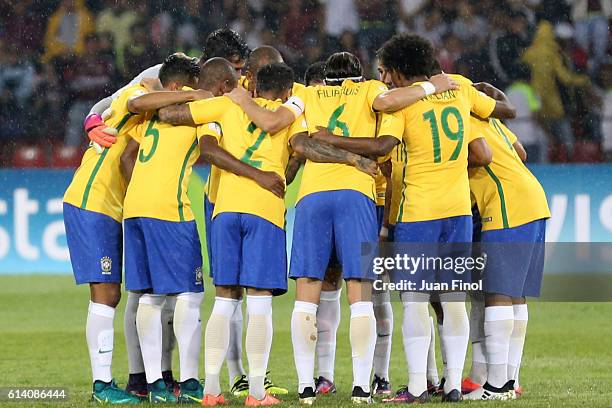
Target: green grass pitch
{"type": "Point", "coordinates": [568, 357]}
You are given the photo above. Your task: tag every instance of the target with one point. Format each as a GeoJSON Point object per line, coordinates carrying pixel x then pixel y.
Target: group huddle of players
{"type": "Point", "coordinates": [403, 159]}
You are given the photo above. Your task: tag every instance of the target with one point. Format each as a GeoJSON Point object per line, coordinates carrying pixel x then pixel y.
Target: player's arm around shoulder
{"type": "Point", "coordinates": [152, 101]}
{"type": "Point", "coordinates": [503, 108]}
{"type": "Point", "coordinates": [398, 98]}
{"type": "Point", "coordinates": [270, 121]}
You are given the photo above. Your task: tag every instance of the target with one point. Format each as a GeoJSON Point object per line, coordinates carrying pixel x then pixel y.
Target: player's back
{"type": "Point", "coordinates": [346, 111]}
{"type": "Point", "coordinates": [501, 188]}
{"type": "Point", "coordinates": [436, 135]}
{"type": "Point", "coordinates": [259, 149]}
{"type": "Point", "coordinates": [158, 187]}
{"type": "Point", "coordinates": [98, 184]}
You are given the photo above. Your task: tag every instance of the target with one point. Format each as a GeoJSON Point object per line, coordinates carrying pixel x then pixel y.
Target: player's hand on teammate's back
{"type": "Point", "coordinates": [366, 165]}
{"type": "Point", "coordinates": [238, 95]}
{"type": "Point", "coordinates": [151, 84]}
{"type": "Point", "coordinates": [98, 132]}
{"type": "Point", "coordinates": [443, 82]}
{"type": "Point", "coordinates": [272, 182]}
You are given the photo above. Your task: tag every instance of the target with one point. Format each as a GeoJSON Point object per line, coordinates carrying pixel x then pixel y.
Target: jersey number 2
{"type": "Point", "coordinates": [457, 136]}
{"type": "Point", "coordinates": [246, 157]}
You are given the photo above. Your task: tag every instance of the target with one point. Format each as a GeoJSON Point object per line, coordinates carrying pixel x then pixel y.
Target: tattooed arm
{"type": "Point", "coordinates": [176, 115]}
{"type": "Point", "coordinates": [322, 152]}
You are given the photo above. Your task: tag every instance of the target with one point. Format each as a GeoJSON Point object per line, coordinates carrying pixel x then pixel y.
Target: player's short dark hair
{"type": "Point", "coordinates": [215, 71]}
{"type": "Point", "coordinates": [411, 55]}
{"type": "Point", "coordinates": [276, 77]}
{"type": "Point", "coordinates": [315, 72]}
{"type": "Point", "coordinates": [225, 43]}
{"type": "Point", "coordinates": [341, 65]}
{"type": "Point", "coordinates": [179, 66]}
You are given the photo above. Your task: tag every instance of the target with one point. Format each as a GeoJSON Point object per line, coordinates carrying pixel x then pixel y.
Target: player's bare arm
{"type": "Point", "coordinates": [386, 169]}
{"type": "Point", "coordinates": [479, 153]}
{"type": "Point", "coordinates": [159, 99]}
{"type": "Point", "coordinates": [503, 107]}
{"type": "Point", "coordinates": [399, 98]}
{"type": "Point", "coordinates": [176, 115]}
{"type": "Point", "coordinates": [215, 155]}
{"type": "Point", "coordinates": [293, 166]}
{"type": "Point", "coordinates": [267, 120]}
{"type": "Point", "coordinates": [323, 152]}
{"type": "Point", "coordinates": [520, 150]}
{"type": "Point", "coordinates": [128, 159]}
{"type": "Point", "coordinates": [366, 146]}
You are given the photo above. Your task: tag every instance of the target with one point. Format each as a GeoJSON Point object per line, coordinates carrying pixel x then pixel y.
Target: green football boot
{"type": "Point", "coordinates": [272, 388]}
{"type": "Point", "coordinates": [160, 394]}
{"type": "Point", "coordinates": [191, 392]}
{"type": "Point", "coordinates": [241, 386]}
{"type": "Point", "coordinates": [109, 393]}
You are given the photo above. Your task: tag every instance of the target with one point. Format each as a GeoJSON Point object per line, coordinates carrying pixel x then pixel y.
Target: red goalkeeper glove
{"type": "Point", "coordinates": [97, 131]}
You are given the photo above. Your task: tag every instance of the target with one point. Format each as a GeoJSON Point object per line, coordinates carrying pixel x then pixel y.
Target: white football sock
{"type": "Point", "coordinates": [132, 344]}
{"type": "Point", "coordinates": [258, 342]}
{"type": "Point", "coordinates": [188, 332]}
{"type": "Point", "coordinates": [432, 365]}
{"type": "Point", "coordinates": [362, 334]}
{"type": "Point", "coordinates": [234, 352]}
{"type": "Point", "coordinates": [383, 312]}
{"type": "Point", "coordinates": [417, 336]}
{"type": "Point", "coordinates": [455, 337]}
{"type": "Point", "coordinates": [517, 341]}
{"type": "Point", "coordinates": [328, 320]}
{"type": "Point", "coordinates": [168, 336]}
{"type": "Point", "coordinates": [100, 334]}
{"type": "Point", "coordinates": [499, 321]}
{"type": "Point", "coordinates": [442, 350]}
{"type": "Point", "coordinates": [148, 323]}
{"type": "Point", "coordinates": [304, 339]}
{"type": "Point", "coordinates": [478, 371]}
{"type": "Point", "coordinates": [217, 342]}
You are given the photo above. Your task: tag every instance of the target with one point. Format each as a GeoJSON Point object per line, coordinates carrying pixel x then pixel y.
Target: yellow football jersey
{"type": "Point", "coordinates": [98, 184]}
{"type": "Point", "coordinates": [253, 146]}
{"type": "Point", "coordinates": [398, 158]}
{"type": "Point", "coordinates": [158, 188]}
{"type": "Point", "coordinates": [436, 133]}
{"type": "Point", "coordinates": [346, 111]}
{"type": "Point", "coordinates": [502, 188]}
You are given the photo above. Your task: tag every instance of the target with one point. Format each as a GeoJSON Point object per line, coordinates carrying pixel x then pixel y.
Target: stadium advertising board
{"type": "Point", "coordinates": [32, 237]}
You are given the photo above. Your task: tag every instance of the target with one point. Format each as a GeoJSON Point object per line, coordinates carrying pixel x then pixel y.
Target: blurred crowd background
{"type": "Point", "coordinates": [552, 57]}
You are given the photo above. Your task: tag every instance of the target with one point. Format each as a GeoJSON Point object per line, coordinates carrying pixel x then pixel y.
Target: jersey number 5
{"type": "Point", "coordinates": [457, 136]}
{"type": "Point", "coordinates": [151, 131]}
{"type": "Point", "coordinates": [246, 157]}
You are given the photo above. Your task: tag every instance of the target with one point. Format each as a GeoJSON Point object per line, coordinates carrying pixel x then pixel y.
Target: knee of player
{"type": "Point", "coordinates": [106, 294]}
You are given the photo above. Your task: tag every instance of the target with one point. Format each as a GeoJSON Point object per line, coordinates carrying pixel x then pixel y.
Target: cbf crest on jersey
{"type": "Point", "coordinates": [198, 275]}
{"type": "Point", "coordinates": [106, 264]}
